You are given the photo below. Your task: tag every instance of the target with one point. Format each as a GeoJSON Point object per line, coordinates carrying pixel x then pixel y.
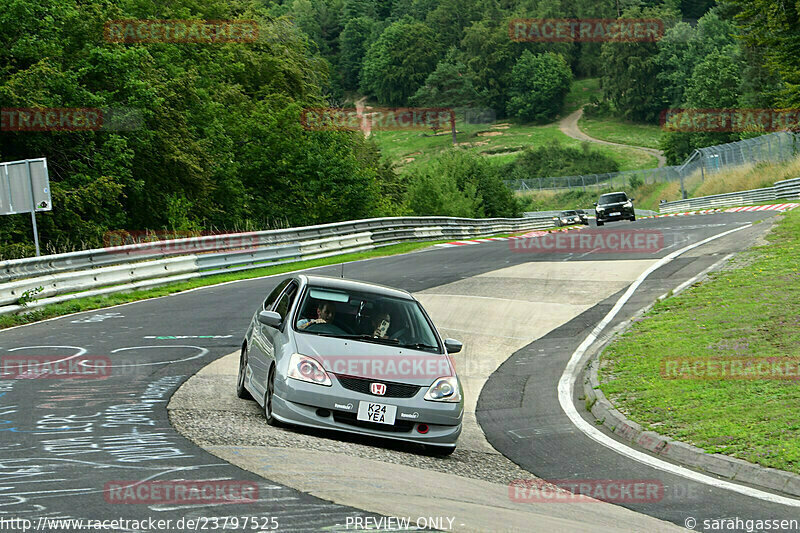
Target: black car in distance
{"type": "Point", "coordinates": [614, 206]}
{"type": "Point", "coordinates": [567, 218]}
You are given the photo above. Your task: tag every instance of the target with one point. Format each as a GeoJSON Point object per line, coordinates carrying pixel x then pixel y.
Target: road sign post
{"type": "Point", "coordinates": [25, 188]}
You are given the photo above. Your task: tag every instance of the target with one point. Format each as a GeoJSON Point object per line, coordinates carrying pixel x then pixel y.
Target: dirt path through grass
{"type": "Point", "coordinates": [569, 126]}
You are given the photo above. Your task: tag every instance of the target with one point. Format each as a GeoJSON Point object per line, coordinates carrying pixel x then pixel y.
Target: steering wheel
{"type": "Point", "coordinates": [400, 335]}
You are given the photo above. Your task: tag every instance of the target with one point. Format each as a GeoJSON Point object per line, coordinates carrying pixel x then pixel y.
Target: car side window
{"type": "Point", "coordinates": [275, 293]}
{"type": "Point", "coordinates": [285, 302]}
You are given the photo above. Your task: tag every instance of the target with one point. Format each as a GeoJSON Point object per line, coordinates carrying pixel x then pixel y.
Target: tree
{"type": "Point", "coordinates": [554, 159]}
{"type": "Point", "coordinates": [450, 17]}
{"type": "Point", "coordinates": [539, 84]}
{"type": "Point", "coordinates": [461, 183]}
{"type": "Point", "coordinates": [774, 27]}
{"type": "Point", "coordinates": [353, 44]}
{"type": "Point", "coordinates": [631, 69]}
{"type": "Point", "coordinates": [450, 85]}
{"type": "Point", "coordinates": [397, 64]}
{"type": "Point", "coordinates": [490, 55]}
{"type": "Point", "coordinates": [684, 47]}
{"type": "Point", "coordinates": [715, 84]}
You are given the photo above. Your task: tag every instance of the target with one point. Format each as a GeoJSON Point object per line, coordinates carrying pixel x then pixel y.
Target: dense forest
{"type": "Point", "coordinates": [219, 144]}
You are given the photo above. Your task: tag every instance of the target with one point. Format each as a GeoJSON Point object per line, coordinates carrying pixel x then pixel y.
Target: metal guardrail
{"type": "Point", "coordinates": [786, 189]}
{"type": "Point", "coordinates": [62, 277]}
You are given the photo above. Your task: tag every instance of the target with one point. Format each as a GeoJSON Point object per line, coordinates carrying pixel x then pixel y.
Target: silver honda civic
{"type": "Point", "coordinates": [351, 356]}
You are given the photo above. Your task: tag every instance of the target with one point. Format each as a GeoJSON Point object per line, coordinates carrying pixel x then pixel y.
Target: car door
{"type": "Point", "coordinates": [260, 353]}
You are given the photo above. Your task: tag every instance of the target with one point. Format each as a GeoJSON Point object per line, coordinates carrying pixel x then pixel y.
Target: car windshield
{"type": "Point", "coordinates": [568, 213]}
{"type": "Point", "coordinates": [613, 198]}
{"type": "Point", "coordinates": [367, 316]}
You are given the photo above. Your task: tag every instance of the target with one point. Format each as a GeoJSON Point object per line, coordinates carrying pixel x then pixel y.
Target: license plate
{"type": "Point", "coordinates": [615, 214]}
{"type": "Point", "coordinates": [376, 412]}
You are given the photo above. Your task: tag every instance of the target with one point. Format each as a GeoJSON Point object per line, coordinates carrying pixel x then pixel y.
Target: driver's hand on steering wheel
{"type": "Point", "coordinates": [313, 321]}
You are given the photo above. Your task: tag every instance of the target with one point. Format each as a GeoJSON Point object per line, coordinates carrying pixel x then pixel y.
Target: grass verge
{"type": "Point", "coordinates": [581, 93]}
{"type": "Point", "coordinates": [751, 310]}
{"type": "Point", "coordinates": [98, 302]}
{"type": "Point", "coordinates": [621, 131]}
{"type": "Point", "coordinates": [501, 142]}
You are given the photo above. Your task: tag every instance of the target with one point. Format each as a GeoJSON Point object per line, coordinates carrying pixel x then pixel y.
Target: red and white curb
{"type": "Point", "coordinates": [773, 207]}
{"type": "Point", "coordinates": [702, 212]}
{"type": "Point", "coordinates": [474, 241]}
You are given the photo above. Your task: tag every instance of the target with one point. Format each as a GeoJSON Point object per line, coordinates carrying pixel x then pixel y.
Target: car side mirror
{"type": "Point", "coordinates": [595, 204]}
{"type": "Point", "coordinates": [632, 199]}
{"type": "Point", "coordinates": [270, 318]}
{"type": "Point", "coordinates": [452, 345]}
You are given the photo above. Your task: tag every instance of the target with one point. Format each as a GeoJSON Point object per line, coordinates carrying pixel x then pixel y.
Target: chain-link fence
{"type": "Point", "coordinates": [772, 147]}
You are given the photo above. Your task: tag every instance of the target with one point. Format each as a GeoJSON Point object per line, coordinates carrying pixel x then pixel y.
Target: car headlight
{"type": "Point", "coordinates": [444, 390]}
{"type": "Point", "coordinates": [600, 208]}
{"type": "Point", "coordinates": [305, 368]}
{"type": "Point", "coordinates": [628, 204]}
{"type": "Point", "coordinates": [564, 220]}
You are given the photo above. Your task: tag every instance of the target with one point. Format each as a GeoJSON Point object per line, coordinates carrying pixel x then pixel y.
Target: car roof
{"type": "Point", "coordinates": [354, 285]}
{"type": "Point", "coordinates": [618, 192]}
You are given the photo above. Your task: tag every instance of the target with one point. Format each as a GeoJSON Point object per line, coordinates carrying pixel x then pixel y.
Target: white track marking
{"type": "Point", "coordinates": [567, 382]}
{"type": "Point", "coordinates": [203, 352]}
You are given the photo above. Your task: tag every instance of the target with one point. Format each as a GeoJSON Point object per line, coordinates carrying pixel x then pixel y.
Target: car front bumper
{"type": "Point", "coordinates": [298, 402]}
{"type": "Point", "coordinates": [605, 216]}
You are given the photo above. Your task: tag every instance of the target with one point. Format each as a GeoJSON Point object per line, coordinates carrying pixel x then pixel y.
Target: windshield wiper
{"type": "Point", "coordinates": [419, 346]}
{"type": "Point", "coordinates": [368, 338]}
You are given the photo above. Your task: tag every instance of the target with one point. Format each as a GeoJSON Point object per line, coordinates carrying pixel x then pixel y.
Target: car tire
{"type": "Point", "coordinates": [600, 223]}
{"type": "Point", "coordinates": [267, 407]}
{"type": "Point", "coordinates": [633, 218]}
{"type": "Point", "coordinates": [241, 391]}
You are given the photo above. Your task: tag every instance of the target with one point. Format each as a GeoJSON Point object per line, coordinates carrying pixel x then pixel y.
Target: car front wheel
{"type": "Point", "coordinates": [241, 391]}
{"type": "Point", "coordinates": [600, 223]}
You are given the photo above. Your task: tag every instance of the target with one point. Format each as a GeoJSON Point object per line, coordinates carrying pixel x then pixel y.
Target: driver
{"type": "Point", "coordinates": [326, 312]}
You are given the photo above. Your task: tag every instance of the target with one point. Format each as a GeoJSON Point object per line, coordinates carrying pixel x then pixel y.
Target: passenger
{"type": "Point", "coordinates": [381, 323]}
{"type": "Point", "coordinates": [326, 312]}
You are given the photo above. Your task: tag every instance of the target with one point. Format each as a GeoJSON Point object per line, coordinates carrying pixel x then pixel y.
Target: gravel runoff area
{"type": "Point", "coordinates": [236, 422]}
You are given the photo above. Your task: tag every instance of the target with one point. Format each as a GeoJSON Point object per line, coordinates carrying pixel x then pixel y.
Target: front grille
{"type": "Point", "coordinates": [393, 390]}
{"type": "Point", "coordinates": [400, 426]}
